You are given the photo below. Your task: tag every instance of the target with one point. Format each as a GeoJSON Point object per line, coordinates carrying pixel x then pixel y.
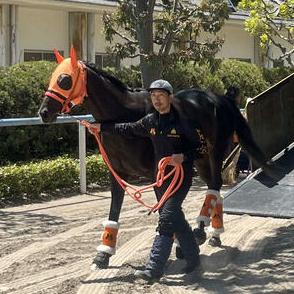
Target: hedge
{"type": "Point", "coordinates": [247, 77]}
{"type": "Point", "coordinates": [31, 182]}
{"type": "Point", "coordinates": [192, 75]}
{"type": "Point", "coordinates": [22, 88]}
{"type": "Point", "coordinates": [274, 75]}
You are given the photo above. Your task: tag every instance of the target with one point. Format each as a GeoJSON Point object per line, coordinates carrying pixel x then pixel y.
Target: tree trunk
{"type": "Point", "coordinates": [144, 28]}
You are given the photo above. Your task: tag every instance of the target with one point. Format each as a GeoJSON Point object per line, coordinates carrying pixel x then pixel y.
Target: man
{"type": "Point", "coordinates": [167, 132]}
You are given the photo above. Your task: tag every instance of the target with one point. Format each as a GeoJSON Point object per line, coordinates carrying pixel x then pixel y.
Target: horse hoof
{"type": "Point", "coordinates": [101, 260]}
{"type": "Point", "coordinates": [179, 253]}
{"type": "Point", "coordinates": [215, 242]}
{"type": "Point", "coordinates": [200, 236]}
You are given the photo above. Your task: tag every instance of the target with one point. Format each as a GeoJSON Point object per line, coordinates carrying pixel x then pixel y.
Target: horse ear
{"type": "Point", "coordinates": [58, 56]}
{"type": "Point", "coordinates": [73, 57]}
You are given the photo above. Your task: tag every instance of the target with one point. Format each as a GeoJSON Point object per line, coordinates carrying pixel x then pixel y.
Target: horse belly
{"type": "Point", "coordinates": [130, 156]}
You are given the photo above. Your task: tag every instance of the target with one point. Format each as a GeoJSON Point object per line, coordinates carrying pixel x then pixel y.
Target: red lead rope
{"type": "Point", "coordinates": [136, 192]}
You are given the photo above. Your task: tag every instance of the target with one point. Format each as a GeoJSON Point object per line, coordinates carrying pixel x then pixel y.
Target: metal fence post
{"type": "Point", "coordinates": [82, 157]}
{"type": "Point", "coordinates": [31, 121]}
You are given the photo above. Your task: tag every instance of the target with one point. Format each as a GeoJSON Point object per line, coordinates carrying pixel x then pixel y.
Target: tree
{"type": "Point", "coordinates": [235, 2]}
{"type": "Point", "coordinates": [161, 33]}
{"type": "Point", "coordinates": [272, 21]}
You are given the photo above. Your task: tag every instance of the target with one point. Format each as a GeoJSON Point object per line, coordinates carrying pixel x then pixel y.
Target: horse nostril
{"type": "Point", "coordinates": [44, 114]}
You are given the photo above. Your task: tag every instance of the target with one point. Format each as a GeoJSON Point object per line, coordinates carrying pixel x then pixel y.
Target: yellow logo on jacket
{"type": "Point", "coordinates": [173, 133]}
{"type": "Point", "coordinates": [152, 131]}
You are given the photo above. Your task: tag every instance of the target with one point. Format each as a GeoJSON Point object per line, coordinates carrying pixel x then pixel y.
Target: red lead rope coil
{"type": "Point", "coordinates": [136, 192]}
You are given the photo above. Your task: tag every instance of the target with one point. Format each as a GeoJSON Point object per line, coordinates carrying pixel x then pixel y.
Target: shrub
{"type": "Point", "coordinates": [129, 75]}
{"type": "Point", "coordinates": [22, 88]}
{"type": "Point", "coordinates": [274, 75]}
{"type": "Point", "coordinates": [246, 76]}
{"type": "Point", "coordinates": [27, 182]}
{"type": "Point", "coordinates": [191, 75]}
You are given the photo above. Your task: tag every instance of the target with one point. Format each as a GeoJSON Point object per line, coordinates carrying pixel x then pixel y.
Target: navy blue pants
{"type": "Point", "coordinates": [171, 216]}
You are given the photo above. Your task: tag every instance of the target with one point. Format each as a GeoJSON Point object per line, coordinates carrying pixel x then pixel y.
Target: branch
{"type": "Point", "coordinates": [175, 5]}
{"type": "Point", "coordinates": [286, 56]}
{"type": "Point", "coordinates": [137, 55]}
{"type": "Point", "coordinates": [125, 37]}
{"type": "Point", "coordinates": [165, 42]}
{"type": "Point", "coordinates": [275, 30]}
{"type": "Point", "coordinates": [275, 2]}
{"type": "Point", "coordinates": [283, 49]}
{"type": "Point", "coordinates": [267, 11]}
{"type": "Point", "coordinates": [151, 6]}
{"type": "Point", "coordinates": [287, 53]}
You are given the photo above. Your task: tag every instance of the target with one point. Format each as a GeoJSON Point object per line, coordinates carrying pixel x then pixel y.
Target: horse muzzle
{"type": "Point", "coordinates": [47, 116]}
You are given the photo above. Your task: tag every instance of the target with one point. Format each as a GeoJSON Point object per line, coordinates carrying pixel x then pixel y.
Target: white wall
{"type": "Point", "coordinates": [45, 29]}
{"type": "Point", "coordinates": [101, 44]}
{"type": "Point", "coordinates": [41, 29]}
{"type": "Point", "coordinates": [238, 43]}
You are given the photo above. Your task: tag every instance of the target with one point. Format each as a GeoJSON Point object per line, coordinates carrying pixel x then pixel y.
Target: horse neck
{"type": "Point", "coordinates": [108, 103]}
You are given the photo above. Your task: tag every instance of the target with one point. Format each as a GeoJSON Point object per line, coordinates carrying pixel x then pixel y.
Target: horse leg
{"type": "Point", "coordinates": [214, 200]}
{"type": "Point", "coordinates": [203, 220]}
{"type": "Point", "coordinates": [109, 235]}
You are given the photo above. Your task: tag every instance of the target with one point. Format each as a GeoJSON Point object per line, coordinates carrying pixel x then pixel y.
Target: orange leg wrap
{"type": "Point", "coordinates": [208, 205]}
{"type": "Point", "coordinates": [217, 216]}
{"type": "Point", "coordinates": [109, 236]}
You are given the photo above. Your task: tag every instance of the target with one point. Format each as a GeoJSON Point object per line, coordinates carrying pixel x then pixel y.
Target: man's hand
{"type": "Point", "coordinates": [94, 128]}
{"type": "Point", "coordinates": [177, 159]}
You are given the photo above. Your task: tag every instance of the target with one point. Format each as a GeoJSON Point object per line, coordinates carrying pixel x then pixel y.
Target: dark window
{"type": "Point", "coordinates": [278, 63]}
{"type": "Point", "coordinates": [242, 59]}
{"type": "Point", "coordinates": [106, 60]}
{"type": "Point", "coordinates": [36, 55]}
{"type": "Point", "coordinates": [98, 60]}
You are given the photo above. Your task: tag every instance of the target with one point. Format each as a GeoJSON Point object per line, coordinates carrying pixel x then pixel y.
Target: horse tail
{"type": "Point", "coordinates": [246, 139]}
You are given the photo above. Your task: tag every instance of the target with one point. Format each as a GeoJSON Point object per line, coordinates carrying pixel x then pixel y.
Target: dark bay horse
{"type": "Point", "coordinates": [108, 99]}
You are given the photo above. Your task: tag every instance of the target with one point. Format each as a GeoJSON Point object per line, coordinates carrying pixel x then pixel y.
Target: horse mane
{"type": "Point", "coordinates": [116, 82]}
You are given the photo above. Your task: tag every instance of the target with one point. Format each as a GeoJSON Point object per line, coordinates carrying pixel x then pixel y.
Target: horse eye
{"type": "Point", "coordinates": [64, 82]}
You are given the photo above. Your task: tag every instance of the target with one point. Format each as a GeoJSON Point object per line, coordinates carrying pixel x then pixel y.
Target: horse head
{"type": "Point", "coordinates": [67, 87]}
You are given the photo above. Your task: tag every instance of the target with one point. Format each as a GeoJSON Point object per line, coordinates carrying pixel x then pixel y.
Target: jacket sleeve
{"type": "Point", "coordinates": [138, 128]}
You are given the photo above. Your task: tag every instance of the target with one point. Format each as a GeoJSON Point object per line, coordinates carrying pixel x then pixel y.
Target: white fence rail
{"type": "Point", "coordinates": [13, 122]}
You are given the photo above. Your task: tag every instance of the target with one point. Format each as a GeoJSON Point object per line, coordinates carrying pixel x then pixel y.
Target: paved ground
{"type": "Point", "coordinates": [47, 248]}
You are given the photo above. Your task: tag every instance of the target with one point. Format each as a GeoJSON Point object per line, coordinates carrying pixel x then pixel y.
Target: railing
{"type": "Point", "coordinates": [12, 122]}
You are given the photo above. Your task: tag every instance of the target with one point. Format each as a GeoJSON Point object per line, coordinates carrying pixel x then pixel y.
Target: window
{"type": "Point", "coordinates": [278, 63]}
{"type": "Point", "coordinates": [104, 60]}
{"type": "Point", "coordinates": [35, 55]}
{"type": "Point", "coordinates": [242, 59]}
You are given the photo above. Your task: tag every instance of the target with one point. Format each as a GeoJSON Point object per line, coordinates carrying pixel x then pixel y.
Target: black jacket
{"type": "Point", "coordinates": [169, 134]}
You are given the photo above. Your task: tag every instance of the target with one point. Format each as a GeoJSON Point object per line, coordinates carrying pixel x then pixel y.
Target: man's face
{"type": "Point", "coordinates": [161, 100]}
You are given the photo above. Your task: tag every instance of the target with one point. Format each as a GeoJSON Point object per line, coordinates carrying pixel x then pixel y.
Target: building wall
{"type": "Point", "coordinates": [47, 28]}
{"type": "Point", "coordinates": [101, 44]}
{"type": "Point", "coordinates": [40, 29]}
{"type": "Point", "coordinates": [238, 43]}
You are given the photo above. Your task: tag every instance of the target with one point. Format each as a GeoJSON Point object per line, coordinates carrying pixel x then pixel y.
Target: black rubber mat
{"type": "Point", "coordinates": [259, 195]}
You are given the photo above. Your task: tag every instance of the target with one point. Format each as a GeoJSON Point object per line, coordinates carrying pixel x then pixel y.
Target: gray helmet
{"type": "Point", "coordinates": [161, 85]}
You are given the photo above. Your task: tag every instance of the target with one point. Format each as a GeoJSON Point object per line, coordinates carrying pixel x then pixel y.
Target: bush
{"type": "Point", "coordinates": [27, 143]}
{"type": "Point", "coordinates": [275, 75]}
{"type": "Point", "coordinates": [22, 88]}
{"type": "Point", "coordinates": [246, 76]}
{"type": "Point", "coordinates": [131, 76]}
{"type": "Point", "coordinates": [191, 75]}
{"type": "Point", "coordinates": [26, 183]}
